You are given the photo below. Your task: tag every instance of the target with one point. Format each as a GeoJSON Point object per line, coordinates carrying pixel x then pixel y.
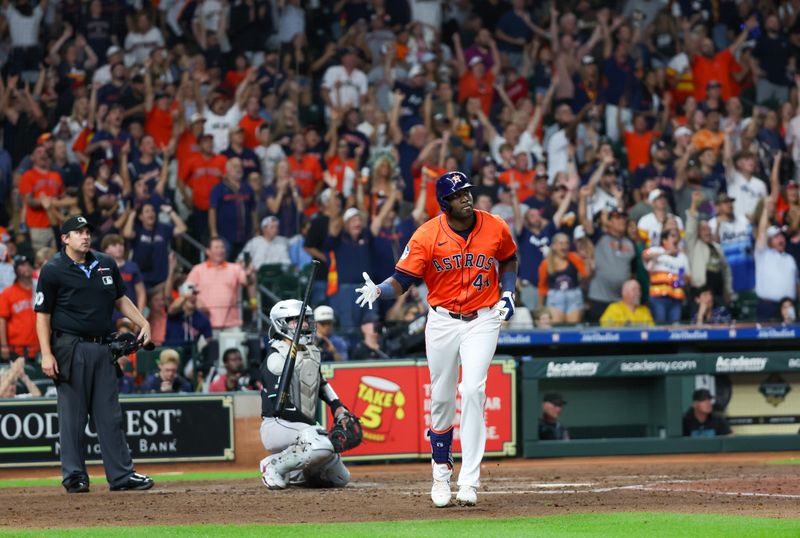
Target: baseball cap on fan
{"type": "Point", "coordinates": [75, 223]}
{"type": "Point", "coordinates": [350, 213]}
{"type": "Point", "coordinates": [323, 313]}
{"type": "Point", "coordinates": [654, 195]}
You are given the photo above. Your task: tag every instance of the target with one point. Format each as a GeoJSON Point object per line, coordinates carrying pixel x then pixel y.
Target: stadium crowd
{"type": "Point", "coordinates": [643, 152]}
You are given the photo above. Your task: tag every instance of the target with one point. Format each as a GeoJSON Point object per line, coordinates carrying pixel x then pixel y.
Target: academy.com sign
{"type": "Point", "coordinates": [572, 369]}
{"type": "Point", "coordinates": [741, 363]}
{"type": "Point", "coordinates": [157, 428]}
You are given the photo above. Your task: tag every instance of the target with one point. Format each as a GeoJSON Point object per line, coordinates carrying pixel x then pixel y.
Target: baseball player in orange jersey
{"type": "Point", "coordinates": [464, 256]}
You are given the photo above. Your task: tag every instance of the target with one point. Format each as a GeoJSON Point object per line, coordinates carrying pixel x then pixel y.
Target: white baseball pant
{"type": "Point", "coordinates": [316, 466]}
{"type": "Point", "coordinates": [473, 342]}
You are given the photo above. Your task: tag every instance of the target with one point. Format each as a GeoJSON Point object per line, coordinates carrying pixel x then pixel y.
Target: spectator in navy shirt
{"type": "Point", "coordinates": [236, 148]}
{"type": "Point", "coordinates": [140, 195]}
{"type": "Point", "coordinates": [284, 200]}
{"type": "Point", "coordinates": [232, 210]}
{"type": "Point", "coordinates": [514, 30]}
{"type": "Point", "coordinates": [413, 90]}
{"type": "Point", "coordinates": [107, 143]}
{"type": "Point", "coordinates": [151, 240]}
{"type": "Point", "coordinates": [111, 93]}
{"type": "Point", "coordinates": [533, 234]}
{"type": "Point", "coordinates": [146, 167]}
{"type": "Point", "coordinates": [351, 245]}
{"type": "Point", "coordinates": [618, 84]}
{"type": "Point", "coordinates": [772, 53]}
{"type": "Point", "coordinates": [114, 246]}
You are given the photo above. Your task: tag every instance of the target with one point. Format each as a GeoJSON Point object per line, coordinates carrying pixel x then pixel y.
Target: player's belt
{"type": "Point", "coordinates": [463, 316]}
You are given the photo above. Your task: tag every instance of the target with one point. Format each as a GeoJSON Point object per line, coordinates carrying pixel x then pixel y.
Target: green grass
{"type": "Point", "coordinates": [573, 525]}
{"type": "Point", "coordinates": [785, 461]}
{"type": "Point", "coordinates": [99, 479]}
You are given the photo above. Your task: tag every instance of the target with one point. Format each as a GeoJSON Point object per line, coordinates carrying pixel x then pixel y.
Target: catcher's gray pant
{"type": "Point", "coordinates": [315, 465]}
{"type": "Point", "coordinates": [92, 389]}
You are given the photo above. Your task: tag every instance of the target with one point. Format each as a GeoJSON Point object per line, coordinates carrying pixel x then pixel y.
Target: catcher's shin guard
{"type": "Point", "coordinates": [311, 447]}
{"type": "Point", "coordinates": [441, 447]}
{"type": "Point", "coordinates": [329, 474]}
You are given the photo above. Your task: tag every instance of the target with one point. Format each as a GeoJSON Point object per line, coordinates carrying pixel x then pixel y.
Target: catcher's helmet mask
{"type": "Point", "coordinates": [283, 313]}
{"type": "Point", "coordinates": [449, 184]}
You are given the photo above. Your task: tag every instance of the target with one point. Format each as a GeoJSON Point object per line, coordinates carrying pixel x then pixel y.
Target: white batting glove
{"type": "Point", "coordinates": [369, 292]}
{"type": "Point", "coordinates": [505, 306]}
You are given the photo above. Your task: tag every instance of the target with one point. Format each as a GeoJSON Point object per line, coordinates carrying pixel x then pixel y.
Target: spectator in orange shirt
{"type": "Point", "coordinates": [710, 136]}
{"type": "Point", "coordinates": [17, 318]}
{"type": "Point", "coordinates": [307, 173]}
{"type": "Point", "coordinates": [521, 175]}
{"type": "Point", "coordinates": [202, 174]}
{"type": "Point", "coordinates": [720, 66]}
{"type": "Point", "coordinates": [160, 109]}
{"type": "Point", "coordinates": [638, 142]}
{"type": "Point", "coordinates": [473, 79]}
{"type": "Point", "coordinates": [250, 122]}
{"type": "Point", "coordinates": [39, 186]}
{"type": "Point", "coordinates": [189, 141]}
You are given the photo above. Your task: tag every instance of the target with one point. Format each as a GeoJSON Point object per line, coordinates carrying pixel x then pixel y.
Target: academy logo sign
{"type": "Point", "coordinates": [572, 369]}
{"type": "Point", "coordinates": [740, 364]}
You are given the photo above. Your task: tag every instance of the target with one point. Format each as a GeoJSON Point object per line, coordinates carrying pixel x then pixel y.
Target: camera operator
{"type": "Point", "coordinates": [77, 292]}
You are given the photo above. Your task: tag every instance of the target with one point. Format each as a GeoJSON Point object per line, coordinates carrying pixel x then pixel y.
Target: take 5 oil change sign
{"type": "Point", "coordinates": [392, 401]}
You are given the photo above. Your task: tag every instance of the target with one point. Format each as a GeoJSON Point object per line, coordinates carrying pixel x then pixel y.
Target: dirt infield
{"type": "Point", "coordinates": [740, 484]}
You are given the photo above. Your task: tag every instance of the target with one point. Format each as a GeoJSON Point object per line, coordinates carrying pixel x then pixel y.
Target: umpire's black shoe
{"type": "Point", "coordinates": [135, 482]}
{"type": "Point", "coordinates": [77, 485]}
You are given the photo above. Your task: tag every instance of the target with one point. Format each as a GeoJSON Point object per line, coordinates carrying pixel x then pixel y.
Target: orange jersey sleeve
{"type": "Point", "coordinates": [461, 274]}
{"type": "Point", "coordinates": [577, 261]}
{"type": "Point", "coordinates": [543, 284]}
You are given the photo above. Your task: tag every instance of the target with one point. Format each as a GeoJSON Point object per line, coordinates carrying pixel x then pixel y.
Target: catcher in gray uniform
{"type": "Point", "coordinates": [302, 453]}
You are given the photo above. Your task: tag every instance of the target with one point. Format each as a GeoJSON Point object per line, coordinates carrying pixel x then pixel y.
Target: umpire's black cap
{"type": "Point", "coordinates": [75, 223]}
{"type": "Point", "coordinates": [554, 398]}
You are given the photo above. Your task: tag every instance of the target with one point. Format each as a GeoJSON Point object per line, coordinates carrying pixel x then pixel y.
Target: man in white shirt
{"type": "Point", "coordinates": [344, 86]}
{"type": "Point", "coordinates": [776, 270]}
{"type": "Point", "coordinates": [651, 224]}
{"type": "Point", "coordinates": [267, 248]}
{"type": "Point", "coordinates": [735, 236]}
{"type": "Point", "coordinates": [222, 115]}
{"type": "Point", "coordinates": [269, 153]}
{"type": "Point", "coordinates": [604, 189]}
{"type": "Point", "coordinates": [113, 57]}
{"type": "Point", "coordinates": [743, 186]}
{"type": "Point", "coordinates": [140, 43]}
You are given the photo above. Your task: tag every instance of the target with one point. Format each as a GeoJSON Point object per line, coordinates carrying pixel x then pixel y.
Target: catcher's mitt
{"type": "Point", "coordinates": [346, 432]}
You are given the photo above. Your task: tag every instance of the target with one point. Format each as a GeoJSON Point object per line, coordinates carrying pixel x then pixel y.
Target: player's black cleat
{"type": "Point", "coordinates": [135, 482]}
{"type": "Point", "coordinates": [77, 485]}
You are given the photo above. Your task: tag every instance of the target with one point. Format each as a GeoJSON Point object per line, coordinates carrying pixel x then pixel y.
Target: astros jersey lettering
{"type": "Point", "coordinates": [461, 275]}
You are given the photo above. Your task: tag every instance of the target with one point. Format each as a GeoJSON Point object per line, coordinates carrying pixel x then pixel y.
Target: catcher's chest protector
{"type": "Point", "coordinates": [304, 389]}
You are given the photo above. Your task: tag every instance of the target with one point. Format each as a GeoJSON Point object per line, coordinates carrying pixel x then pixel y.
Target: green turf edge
{"type": "Point", "coordinates": [784, 461]}
{"type": "Point", "coordinates": [97, 479]}
{"type": "Point", "coordinates": [568, 525]}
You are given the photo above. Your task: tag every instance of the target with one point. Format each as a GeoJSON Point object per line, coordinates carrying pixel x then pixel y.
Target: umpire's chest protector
{"type": "Point", "coordinates": [304, 388]}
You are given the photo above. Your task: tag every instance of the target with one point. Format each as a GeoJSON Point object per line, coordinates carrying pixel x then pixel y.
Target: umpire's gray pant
{"type": "Point", "coordinates": [92, 389]}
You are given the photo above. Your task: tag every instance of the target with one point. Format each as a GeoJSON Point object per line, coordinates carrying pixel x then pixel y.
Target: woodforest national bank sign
{"type": "Point", "coordinates": [157, 428]}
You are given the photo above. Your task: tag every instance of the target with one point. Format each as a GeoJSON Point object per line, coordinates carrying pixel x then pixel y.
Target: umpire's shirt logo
{"type": "Point", "coordinates": [80, 297]}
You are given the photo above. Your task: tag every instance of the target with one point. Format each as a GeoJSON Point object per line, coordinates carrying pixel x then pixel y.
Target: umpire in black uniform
{"type": "Point", "coordinates": [75, 297]}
